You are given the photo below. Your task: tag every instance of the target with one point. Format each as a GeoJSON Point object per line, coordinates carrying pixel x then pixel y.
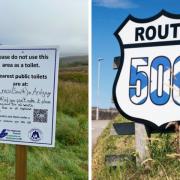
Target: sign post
{"type": "Point", "coordinates": [147, 85]}
{"type": "Point", "coordinates": [142, 143]}
{"type": "Point", "coordinates": [21, 162]}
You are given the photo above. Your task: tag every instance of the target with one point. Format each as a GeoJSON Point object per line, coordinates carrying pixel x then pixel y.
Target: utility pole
{"type": "Point", "coordinates": [98, 82]}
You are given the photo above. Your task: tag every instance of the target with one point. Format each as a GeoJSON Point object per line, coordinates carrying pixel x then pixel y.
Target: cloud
{"type": "Point", "coordinates": [46, 22]}
{"type": "Point", "coordinates": [124, 4]}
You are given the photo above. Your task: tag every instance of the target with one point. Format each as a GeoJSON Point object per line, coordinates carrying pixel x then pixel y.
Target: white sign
{"type": "Point", "coordinates": [147, 85]}
{"type": "Point", "coordinates": [28, 93]}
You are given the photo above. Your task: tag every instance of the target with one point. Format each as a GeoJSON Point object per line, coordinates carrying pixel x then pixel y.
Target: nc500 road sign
{"type": "Point", "coordinates": [147, 85]}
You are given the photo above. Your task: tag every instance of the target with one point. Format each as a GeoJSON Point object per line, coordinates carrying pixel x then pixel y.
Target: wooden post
{"type": "Point", "coordinates": [178, 138]}
{"type": "Point", "coordinates": [177, 130]}
{"type": "Point", "coordinates": [21, 162]}
{"type": "Point", "coordinates": [141, 140]}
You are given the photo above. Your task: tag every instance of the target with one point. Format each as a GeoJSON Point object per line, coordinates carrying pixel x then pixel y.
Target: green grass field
{"type": "Point", "coordinates": [163, 164]}
{"type": "Point", "coordinates": [69, 158]}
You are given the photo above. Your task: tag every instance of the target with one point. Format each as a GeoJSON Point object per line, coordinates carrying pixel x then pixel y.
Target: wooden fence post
{"type": "Point", "coordinates": [177, 130]}
{"type": "Point", "coordinates": [21, 162]}
{"type": "Point", "coordinates": [141, 141]}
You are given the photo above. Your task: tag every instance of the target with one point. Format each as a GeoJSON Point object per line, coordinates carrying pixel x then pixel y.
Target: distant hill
{"type": "Point", "coordinates": [74, 61]}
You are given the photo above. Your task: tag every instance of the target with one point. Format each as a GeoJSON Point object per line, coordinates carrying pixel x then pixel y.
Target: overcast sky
{"type": "Point", "coordinates": [46, 22]}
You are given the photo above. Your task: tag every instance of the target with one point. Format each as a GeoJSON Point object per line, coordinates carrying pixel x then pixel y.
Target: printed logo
{"type": "Point", "coordinates": [35, 134]}
{"type": "Point", "coordinates": [3, 133]}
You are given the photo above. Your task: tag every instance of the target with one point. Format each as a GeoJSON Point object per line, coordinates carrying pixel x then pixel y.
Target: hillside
{"type": "Point", "coordinates": [74, 61]}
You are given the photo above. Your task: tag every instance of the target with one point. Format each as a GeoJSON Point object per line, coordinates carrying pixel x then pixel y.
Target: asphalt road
{"type": "Point", "coordinates": [97, 129]}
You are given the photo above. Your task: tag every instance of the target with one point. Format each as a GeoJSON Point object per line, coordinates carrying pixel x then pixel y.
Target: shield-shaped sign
{"type": "Point", "coordinates": [147, 85]}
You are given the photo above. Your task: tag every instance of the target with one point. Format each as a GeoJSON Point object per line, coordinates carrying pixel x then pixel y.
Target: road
{"type": "Point", "coordinates": [97, 129]}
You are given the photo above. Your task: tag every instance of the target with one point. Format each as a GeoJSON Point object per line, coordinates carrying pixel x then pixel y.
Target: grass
{"type": "Point", "coordinates": [73, 88]}
{"type": "Point", "coordinates": [74, 77]}
{"type": "Point", "coordinates": [69, 159]}
{"type": "Point", "coordinates": [163, 163]}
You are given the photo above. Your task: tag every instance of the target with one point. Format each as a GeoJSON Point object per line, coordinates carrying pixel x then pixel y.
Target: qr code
{"type": "Point", "coordinates": [40, 115]}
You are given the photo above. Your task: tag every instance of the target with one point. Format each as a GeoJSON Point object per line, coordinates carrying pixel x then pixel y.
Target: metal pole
{"type": "Point", "coordinates": [98, 82]}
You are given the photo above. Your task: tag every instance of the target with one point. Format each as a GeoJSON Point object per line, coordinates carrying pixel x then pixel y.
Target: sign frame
{"type": "Point", "coordinates": [55, 61]}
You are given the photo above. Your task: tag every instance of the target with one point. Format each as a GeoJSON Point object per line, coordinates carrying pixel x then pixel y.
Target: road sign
{"type": "Point", "coordinates": [28, 92]}
{"type": "Point", "coordinates": [147, 85]}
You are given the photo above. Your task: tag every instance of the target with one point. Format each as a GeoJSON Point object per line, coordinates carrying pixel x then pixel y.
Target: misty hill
{"type": "Point", "coordinates": [73, 61]}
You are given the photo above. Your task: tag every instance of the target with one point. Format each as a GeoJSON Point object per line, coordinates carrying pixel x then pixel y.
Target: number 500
{"type": "Point", "coordinates": [164, 80]}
